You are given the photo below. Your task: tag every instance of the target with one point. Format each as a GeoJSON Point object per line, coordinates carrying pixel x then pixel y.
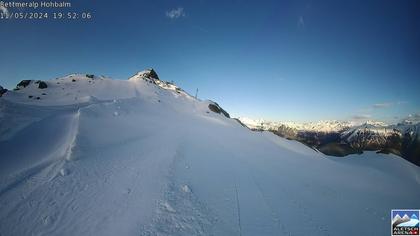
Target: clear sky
{"type": "Point", "coordinates": [283, 60]}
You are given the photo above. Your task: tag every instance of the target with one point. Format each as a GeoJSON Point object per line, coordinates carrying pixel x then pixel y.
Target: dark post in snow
{"type": "Point", "coordinates": [196, 93]}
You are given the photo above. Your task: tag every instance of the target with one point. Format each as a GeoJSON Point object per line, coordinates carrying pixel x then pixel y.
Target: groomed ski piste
{"type": "Point", "coordinates": [96, 156]}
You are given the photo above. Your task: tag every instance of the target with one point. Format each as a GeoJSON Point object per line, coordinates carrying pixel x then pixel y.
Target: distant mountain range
{"type": "Point", "coordinates": [341, 138]}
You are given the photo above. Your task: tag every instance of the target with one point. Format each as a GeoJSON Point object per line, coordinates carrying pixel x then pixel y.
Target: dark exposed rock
{"type": "Point", "coordinates": [90, 76]}
{"type": "Point", "coordinates": [23, 84]}
{"type": "Point", "coordinates": [286, 132]}
{"type": "Point", "coordinates": [42, 85]}
{"type": "Point", "coordinates": [2, 91]}
{"type": "Point", "coordinates": [73, 80]}
{"type": "Point", "coordinates": [149, 75]}
{"type": "Point", "coordinates": [410, 145]}
{"type": "Point", "coordinates": [152, 74]}
{"type": "Point", "coordinates": [214, 107]}
{"type": "Point", "coordinates": [337, 149]}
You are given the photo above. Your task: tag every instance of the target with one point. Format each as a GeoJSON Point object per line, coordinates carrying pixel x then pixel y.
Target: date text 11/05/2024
{"type": "Point", "coordinates": [46, 15]}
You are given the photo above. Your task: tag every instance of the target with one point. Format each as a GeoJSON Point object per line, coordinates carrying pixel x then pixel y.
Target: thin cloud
{"type": "Point", "coordinates": [361, 117]}
{"type": "Point", "coordinates": [388, 104]}
{"type": "Point", "coordinates": [383, 105]}
{"type": "Point", "coordinates": [301, 22]}
{"type": "Point", "coordinates": [175, 13]}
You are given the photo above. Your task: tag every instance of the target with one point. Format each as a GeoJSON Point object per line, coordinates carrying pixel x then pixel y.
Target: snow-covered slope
{"type": "Point", "coordinates": [95, 156]}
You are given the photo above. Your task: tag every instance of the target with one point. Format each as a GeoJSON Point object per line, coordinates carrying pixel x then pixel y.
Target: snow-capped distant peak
{"type": "Point", "coordinates": [412, 119]}
{"type": "Point", "coordinates": [375, 123]}
{"type": "Point", "coordinates": [322, 126]}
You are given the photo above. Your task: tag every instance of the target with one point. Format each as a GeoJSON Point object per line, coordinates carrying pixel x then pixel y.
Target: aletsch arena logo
{"type": "Point", "coordinates": [405, 222]}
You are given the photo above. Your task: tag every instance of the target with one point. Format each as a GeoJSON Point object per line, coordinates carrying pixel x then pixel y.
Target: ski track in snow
{"type": "Point", "coordinates": [180, 212]}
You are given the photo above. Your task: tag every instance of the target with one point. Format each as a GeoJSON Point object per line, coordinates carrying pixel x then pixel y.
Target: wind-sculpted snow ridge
{"type": "Point", "coordinates": [95, 156]}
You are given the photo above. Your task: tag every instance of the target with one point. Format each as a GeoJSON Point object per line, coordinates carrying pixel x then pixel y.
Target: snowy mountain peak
{"type": "Point", "coordinates": [411, 120]}
{"type": "Point", "coordinates": [84, 88]}
{"type": "Point", "coordinates": [375, 123]}
{"type": "Point", "coordinates": [148, 73]}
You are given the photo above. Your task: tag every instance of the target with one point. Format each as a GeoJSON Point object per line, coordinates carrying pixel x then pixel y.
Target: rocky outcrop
{"type": "Point", "coordinates": [23, 84]}
{"type": "Point", "coordinates": [152, 74]}
{"type": "Point", "coordinates": [214, 107]}
{"type": "Point", "coordinates": [2, 91]}
{"type": "Point", "coordinates": [42, 85]}
{"type": "Point", "coordinates": [147, 74]}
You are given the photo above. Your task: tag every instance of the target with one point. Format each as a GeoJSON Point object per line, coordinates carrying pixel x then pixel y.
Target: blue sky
{"type": "Point", "coordinates": [283, 60]}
